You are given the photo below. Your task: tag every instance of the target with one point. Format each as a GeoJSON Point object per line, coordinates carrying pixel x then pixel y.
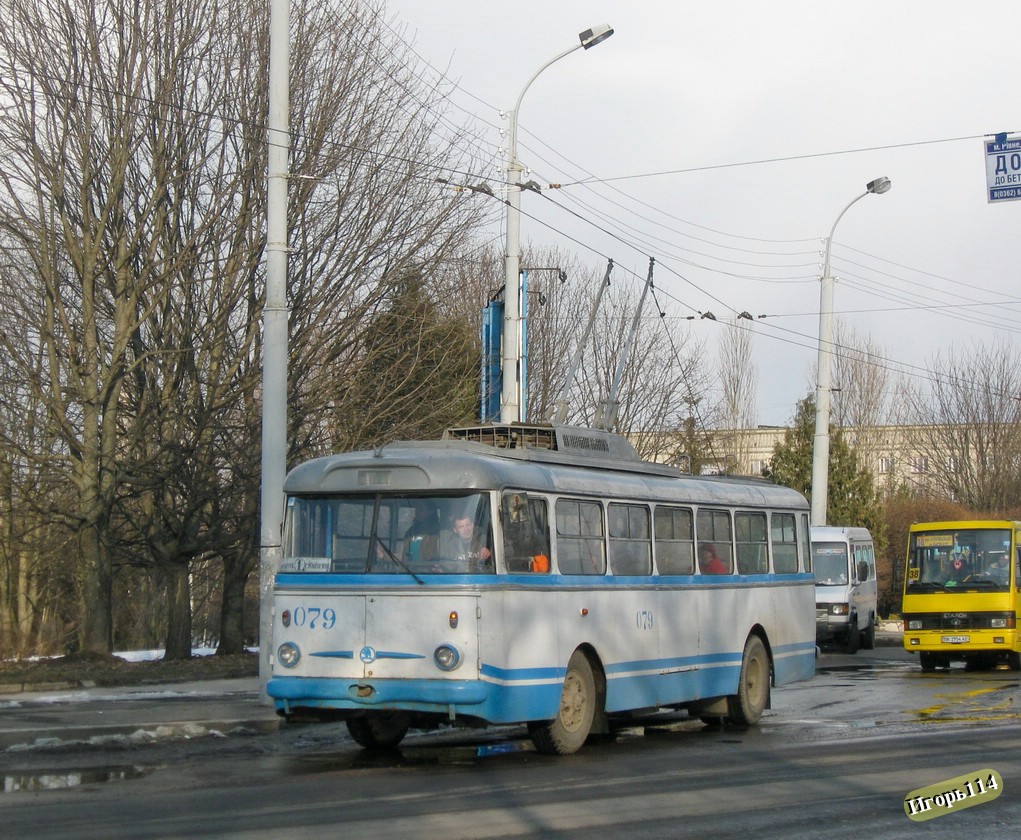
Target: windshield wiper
{"type": "Point", "coordinates": [399, 562]}
{"type": "Point", "coordinates": [928, 586]}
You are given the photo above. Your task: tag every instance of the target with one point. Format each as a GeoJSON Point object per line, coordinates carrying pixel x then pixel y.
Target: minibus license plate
{"type": "Point", "coordinates": [956, 640]}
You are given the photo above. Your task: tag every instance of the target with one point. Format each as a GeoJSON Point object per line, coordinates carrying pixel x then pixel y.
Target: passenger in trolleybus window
{"type": "Point", "coordinates": [709, 560]}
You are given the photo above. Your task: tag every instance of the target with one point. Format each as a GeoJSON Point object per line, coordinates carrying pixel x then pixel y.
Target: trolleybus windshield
{"type": "Point", "coordinates": [388, 534]}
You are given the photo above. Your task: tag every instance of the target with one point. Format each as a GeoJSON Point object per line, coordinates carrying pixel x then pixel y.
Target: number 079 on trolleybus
{"type": "Point", "coordinates": [544, 576]}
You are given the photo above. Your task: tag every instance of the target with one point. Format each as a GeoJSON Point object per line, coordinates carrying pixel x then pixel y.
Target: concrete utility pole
{"type": "Point", "coordinates": [821, 443]}
{"type": "Point", "coordinates": [275, 316]}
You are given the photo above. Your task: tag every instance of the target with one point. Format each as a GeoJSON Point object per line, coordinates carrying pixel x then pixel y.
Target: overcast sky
{"type": "Point", "coordinates": [727, 137]}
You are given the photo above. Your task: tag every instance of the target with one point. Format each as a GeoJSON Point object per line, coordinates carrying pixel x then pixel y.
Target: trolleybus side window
{"type": "Point", "coordinates": [785, 543]}
{"type": "Point", "coordinates": [580, 545]}
{"type": "Point", "coordinates": [714, 533]}
{"type": "Point", "coordinates": [752, 553]}
{"type": "Point", "coordinates": [675, 541]}
{"type": "Point", "coordinates": [525, 521]}
{"type": "Point", "coordinates": [630, 548]}
{"type": "Point", "coordinates": [806, 548]}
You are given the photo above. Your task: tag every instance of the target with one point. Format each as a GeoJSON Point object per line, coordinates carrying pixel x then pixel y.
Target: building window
{"type": "Point", "coordinates": [885, 465]}
{"type": "Point", "coordinates": [920, 464]}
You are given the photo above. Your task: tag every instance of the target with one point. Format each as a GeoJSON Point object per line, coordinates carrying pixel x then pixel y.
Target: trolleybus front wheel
{"type": "Point", "coordinates": [746, 707]}
{"type": "Point", "coordinates": [566, 733]}
{"type": "Point", "coordinates": [379, 730]}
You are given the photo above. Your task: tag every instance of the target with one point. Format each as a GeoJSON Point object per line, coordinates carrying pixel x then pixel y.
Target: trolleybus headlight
{"type": "Point", "coordinates": [998, 623]}
{"type": "Point", "coordinates": [288, 654]}
{"type": "Point", "coordinates": [915, 624]}
{"type": "Point", "coordinates": [447, 658]}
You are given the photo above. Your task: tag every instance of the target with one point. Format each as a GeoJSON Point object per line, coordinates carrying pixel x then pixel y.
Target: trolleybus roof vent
{"type": "Point", "coordinates": [593, 443]}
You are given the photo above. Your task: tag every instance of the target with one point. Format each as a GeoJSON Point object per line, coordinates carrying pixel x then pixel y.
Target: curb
{"type": "Point", "coordinates": [26, 739]}
{"type": "Point", "coordinates": [26, 687]}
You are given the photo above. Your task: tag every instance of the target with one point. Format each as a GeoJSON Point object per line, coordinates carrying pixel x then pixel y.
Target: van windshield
{"type": "Point", "coordinates": [829, 560]}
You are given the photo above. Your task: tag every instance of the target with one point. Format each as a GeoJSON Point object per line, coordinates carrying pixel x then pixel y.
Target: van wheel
{"type": "Point", "coordinates": [868, 638]}
{"type": "Point", "coordinates": [853, 640]}
{"type": "Point", "coordinates": [379, 730]}
{"type": "Point", "coordinates": [566, 733]}
{"type": "Point", "coordinates": [746, 707]}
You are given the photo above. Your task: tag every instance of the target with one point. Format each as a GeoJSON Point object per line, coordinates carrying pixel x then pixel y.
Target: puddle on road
{"type": "Point", "coordinates": [460, 753]}
{"type": "Point", "coordinates": [975, 705]}
{"type": "Point", "coordinates": [64, 780]}
{"type": "Point", "coordinates": [408, 755]}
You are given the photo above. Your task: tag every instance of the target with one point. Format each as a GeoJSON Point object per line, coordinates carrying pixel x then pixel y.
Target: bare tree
{"type": "Point", "coordinates": [131, 187]}
{"type": "Point", "coordinates": [662, 378]}
{"type": "Point", "coordinates": [738, 376]}
{"type": "Point", "coordinates": [76, 204]}
{"type": "Point", "coordinates": [967, 432]}
{"type": "Point", "coordinates": [34, 580]}
{"type": "Point", "coordinates": [862, 383]}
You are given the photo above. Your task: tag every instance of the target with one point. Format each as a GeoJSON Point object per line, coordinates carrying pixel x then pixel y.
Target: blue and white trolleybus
{"type": "Point", "coordinates": [539, 575]}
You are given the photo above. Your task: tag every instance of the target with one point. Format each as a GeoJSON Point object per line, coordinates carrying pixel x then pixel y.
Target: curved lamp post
{"type": "Point", "coordinates": [511, 398]}
{"type": "Point", "coordinates": [821, 443]}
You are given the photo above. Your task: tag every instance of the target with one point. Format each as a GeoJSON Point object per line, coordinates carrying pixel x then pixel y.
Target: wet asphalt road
{"type": "Point", "coordinates": [834, 756]}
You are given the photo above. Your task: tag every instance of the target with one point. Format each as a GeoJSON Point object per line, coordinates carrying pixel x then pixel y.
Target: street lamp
{"type": "Point", "coordinates": [511, 397]}
{"type": "Point", "coordinates": [821, 447]}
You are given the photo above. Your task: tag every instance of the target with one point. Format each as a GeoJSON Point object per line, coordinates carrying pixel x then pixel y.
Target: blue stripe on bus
{"type": "Point", "coordinates": [539, 581]}
{"type": "Point", "coordinates": [514, 701]}
{"type": "Point", "coordinates": [657, 665]}
{"type": "Point", "coordinates": [334, 654]}
{"type": "Point", "coordinates": [331, 692]}
{"type": "Point", "coordinates": [522, 674]}
{"type": "Point", "coordinates": [796, 647]}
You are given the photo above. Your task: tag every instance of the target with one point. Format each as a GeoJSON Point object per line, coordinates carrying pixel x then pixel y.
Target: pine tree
{"type": "Point", "coordinates": [853, 498]}
{"type": "Point", "coordinates": [418, 373]}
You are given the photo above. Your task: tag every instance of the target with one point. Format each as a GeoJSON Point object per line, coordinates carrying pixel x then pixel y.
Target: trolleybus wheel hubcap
{"type": "Point", "coordinates": [572, 702]}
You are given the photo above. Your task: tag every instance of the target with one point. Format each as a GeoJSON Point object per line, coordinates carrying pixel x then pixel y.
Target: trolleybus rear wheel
{"type": "Point", "coordinates": [566, 733]}
{"type": "Point", "coordinates": [379, 730]}
{"type": "Point", "coordinates": [746, 707]}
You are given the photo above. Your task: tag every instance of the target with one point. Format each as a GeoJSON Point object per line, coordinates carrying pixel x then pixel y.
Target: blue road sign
{"type": "Point", "coordinates": [1003, 168]}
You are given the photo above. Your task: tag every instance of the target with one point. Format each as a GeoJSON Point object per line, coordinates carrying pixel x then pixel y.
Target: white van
{"type": "Point", "coordinates": [844, 564]}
